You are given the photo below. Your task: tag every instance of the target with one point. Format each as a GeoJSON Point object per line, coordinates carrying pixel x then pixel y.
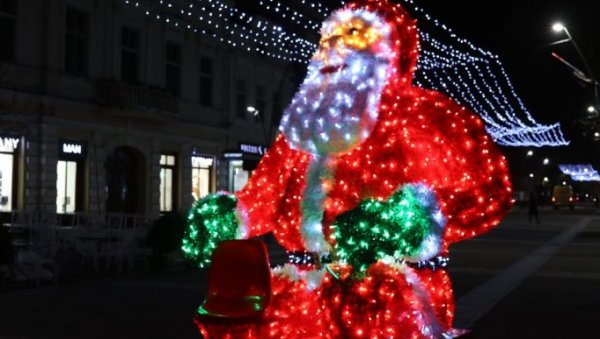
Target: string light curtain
{"type": "Point", "coordinates": [449, 64]}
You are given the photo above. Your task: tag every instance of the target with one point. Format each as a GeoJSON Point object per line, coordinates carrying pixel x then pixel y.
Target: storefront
{"type": "Point", "coordinates": [202, 175]}
{"type": "Point", "coordinates": [241, 163]}
{"type": "Point", "coordinates": [70, 176]}
{"type": "Point", "coordinates": [9, 149]}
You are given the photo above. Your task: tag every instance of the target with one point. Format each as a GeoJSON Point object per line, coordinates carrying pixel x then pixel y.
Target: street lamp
{"type": "Point", "coordinates": [546, 161]}
{"type": "Point", "coordinates": [257, 115]}
{"type": "Point", "coordinates": [529, 153]}
{"type": "Point", "coordinates": [559, 27]}
{"type": "Point", "coordinates": [252, 110]}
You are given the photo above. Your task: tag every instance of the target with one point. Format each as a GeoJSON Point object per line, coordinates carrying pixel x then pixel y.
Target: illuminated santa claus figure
{"type": "Point", "coordinates": [368, 183]}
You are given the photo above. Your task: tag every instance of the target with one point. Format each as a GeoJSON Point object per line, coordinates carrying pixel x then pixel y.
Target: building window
{"type": "Point", "coordinates": [8, 32]}
{"type": "Point", "coordinates": [260, 101]}
{"type": "Point", "coordinates": [201, 176]}
{"type": "Point", "coordinates": [206, 81]}
{"type": "Point", "coordinates": [76, 41]}
{"type": "Point", "coordinates": [130, 55]}
{"type": "Point", "coordinates": [241, 99]}
{"type": "Point", "coordinates": [66, 180]}
{"type": "Point", "coordinates": [167, 182]}
{"type": "Point", "coordinates": [173, 69]}
{"type": "Point", "coordinates": [8, 147]}
{"type": "Point", "coordinates": [277, 111]}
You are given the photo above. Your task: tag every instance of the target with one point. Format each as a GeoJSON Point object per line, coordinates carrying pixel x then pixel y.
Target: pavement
{"type": "Point", "coordinates": [520, 280]}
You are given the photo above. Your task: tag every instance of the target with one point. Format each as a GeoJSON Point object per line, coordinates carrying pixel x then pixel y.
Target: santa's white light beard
{"type": "Point", "coordinates": [334, 112]}
{"type": "Point", "coordinates": [329, 115]}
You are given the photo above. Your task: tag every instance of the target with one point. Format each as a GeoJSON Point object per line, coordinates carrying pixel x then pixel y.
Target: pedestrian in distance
{"type": "Point", "coordinates": [533, 208]}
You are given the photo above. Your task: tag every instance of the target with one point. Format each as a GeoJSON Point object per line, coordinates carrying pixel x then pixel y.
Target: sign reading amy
{"type": "Point", "coordinates": [9, 143]}
{"type": "Point", "coordinates": [253, 149]}
{"type": "Point", "coordinates": [70, 149]}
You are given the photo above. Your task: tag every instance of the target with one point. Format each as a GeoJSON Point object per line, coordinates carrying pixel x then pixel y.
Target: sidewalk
{"type": "Point", "coordinates": [143, 305]}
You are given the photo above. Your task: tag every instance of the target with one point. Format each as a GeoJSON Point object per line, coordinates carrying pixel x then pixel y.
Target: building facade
{"type": "Point", "coordinates": [106, 110]}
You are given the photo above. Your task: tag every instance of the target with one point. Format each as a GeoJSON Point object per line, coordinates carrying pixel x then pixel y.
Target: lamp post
{"type": "Point", "coordinates": [257, 114]}
{"type": "Point", "coordinates": [559, 27]}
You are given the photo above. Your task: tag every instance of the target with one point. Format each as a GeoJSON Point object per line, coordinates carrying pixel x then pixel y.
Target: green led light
{"type": "Point", "coordinates": [211, 220]}
{"type": "Point", "coordinates": [396, 227]}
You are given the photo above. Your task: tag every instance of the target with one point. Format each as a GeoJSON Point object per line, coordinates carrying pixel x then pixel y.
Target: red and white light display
{"type": "Point", "coordinates": [320, 167]}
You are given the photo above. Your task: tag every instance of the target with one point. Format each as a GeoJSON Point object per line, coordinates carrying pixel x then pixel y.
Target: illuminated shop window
{"type": "Point", "coordinates": [6, 181]}
{"type": "Point", "coordinates": [201, 175]}
{"type": "Point", "coordinates": [167, 182]}
{"type": "Point", "coordinates": [66, 179]}
{"type": "Point", "coordinates": [8, 146]}
{"type": "Point", "coordinates": [238, 176]}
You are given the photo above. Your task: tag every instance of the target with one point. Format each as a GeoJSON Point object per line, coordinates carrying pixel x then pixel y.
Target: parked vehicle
{"type": "Point", "coordinates": [562, 196]}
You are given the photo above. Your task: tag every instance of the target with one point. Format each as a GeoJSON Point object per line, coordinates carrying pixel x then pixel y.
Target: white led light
{"type": "Point", "coordinates": [580, 172]}
{"type": "Point", "coordinates": [470, 75]}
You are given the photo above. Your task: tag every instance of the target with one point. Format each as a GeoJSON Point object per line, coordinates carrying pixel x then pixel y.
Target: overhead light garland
{"type": "Point", "coordinates": [580, 172]}
{"type": "Point", "coordinates": [294, 16]}
{"type": "Point", "coordinates": [228, 25]}
{"type": "Point", "coordinates": [441, 66]}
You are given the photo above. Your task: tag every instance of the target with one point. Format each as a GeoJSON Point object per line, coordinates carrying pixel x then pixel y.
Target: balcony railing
{"type": "Point", "coordinates": [118, 94]}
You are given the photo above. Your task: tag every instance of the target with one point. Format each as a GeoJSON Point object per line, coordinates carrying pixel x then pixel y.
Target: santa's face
{"type": "Point", "coordinates": [337, 105]}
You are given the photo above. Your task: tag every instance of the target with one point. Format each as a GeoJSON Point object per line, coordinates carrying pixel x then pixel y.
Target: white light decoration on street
{"type": "Point", "coordinates": [580, 172]}
{"type": "Point", "coordinates": [529, 153]}
{"type": "Point", "coordinates": [546, 161]}
{"type": "Point", "coordinates": [546, 179]}
{"type": "Point", "coordinates": [531, 175]}
{"type": "Point", "coordinates": [591, 109]}
{"type": "Point", "coordinates": [229, 25]}
{"type": "Point", "coordinates": [289, 13]}
{"type": "Point", "coordinates": [470, 75]}
{"type": "Point", "coordinates": [477, 79]}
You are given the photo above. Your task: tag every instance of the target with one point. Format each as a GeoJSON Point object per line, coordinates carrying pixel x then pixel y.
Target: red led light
{"type": "Point", "coordinates": [421, 136]}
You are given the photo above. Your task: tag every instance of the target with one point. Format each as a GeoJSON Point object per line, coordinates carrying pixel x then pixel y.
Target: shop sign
{"type": "Point", "coordinates": [252, 149]}
{"type": "Point", "coordinates": [198, 161]}
{"type": "Point", "coordinates": [72, 149]}
{"type": "Point", "coordinates": [232, 155]}
{"type": "Point", "coordinates": [9, 144]}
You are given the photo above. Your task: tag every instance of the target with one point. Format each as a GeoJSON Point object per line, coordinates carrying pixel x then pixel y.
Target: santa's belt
{"type": "Point", "coordinates": [313, 259]}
